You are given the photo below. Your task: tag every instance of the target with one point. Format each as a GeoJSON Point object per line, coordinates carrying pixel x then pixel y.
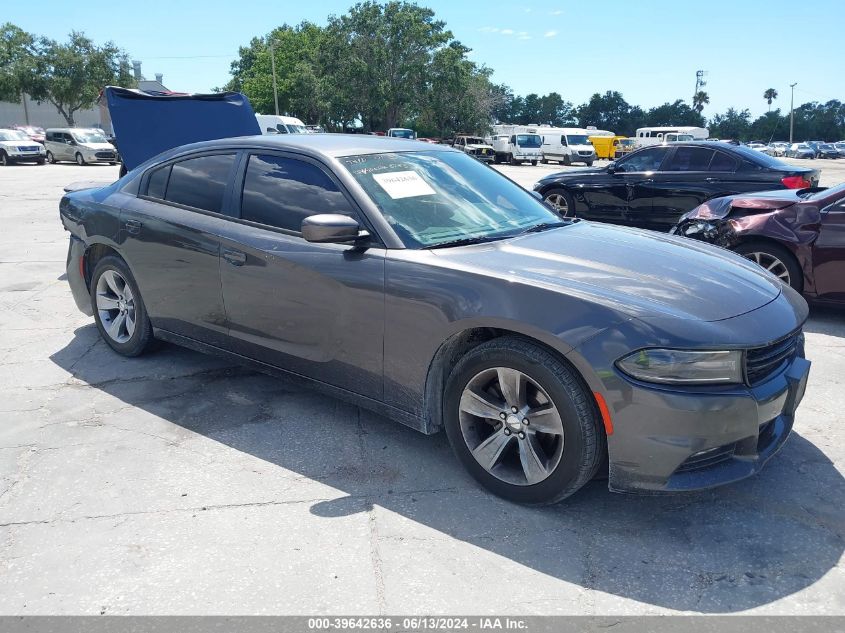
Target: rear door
{"type": "Point", "coordinates": [170, 236]}
{"type": "Point", "coordinates": [314, 309]}
{"type": "Point", "coordinates": [829, 253]}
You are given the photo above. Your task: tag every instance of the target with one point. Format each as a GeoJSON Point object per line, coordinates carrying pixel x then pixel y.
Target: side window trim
{"type": "Point", "coordinates": [240, 179]}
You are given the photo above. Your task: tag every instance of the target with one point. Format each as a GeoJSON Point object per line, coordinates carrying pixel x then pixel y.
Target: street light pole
{"type": "Point", "coordinates": [273, 66]}
{"type": "Point", "coordinates": [791, 109]}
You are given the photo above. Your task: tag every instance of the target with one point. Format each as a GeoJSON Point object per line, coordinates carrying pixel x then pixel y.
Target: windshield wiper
{"type": "Point", "coordinates": [465, 241]}
{"type": "Point", "coordinates": [541, 227]}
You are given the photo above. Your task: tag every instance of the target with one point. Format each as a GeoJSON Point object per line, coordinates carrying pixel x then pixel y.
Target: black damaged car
{"type": "Point", "coordinates": [654, 186]}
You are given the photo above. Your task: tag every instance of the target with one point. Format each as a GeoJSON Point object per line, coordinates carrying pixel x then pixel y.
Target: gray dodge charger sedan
{"type": "Point", "coordinates": [415, 281]}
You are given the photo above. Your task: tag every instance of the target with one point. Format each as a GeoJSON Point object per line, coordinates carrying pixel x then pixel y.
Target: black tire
{"type": "Point", "coordinates": [80, 159]}
{"type": "Point", "coordinates": [567, 198]}
{"type": "Point", "coordinates": [588, 163]}
{"type": "Point", "coordinates": [50, 158]}
{"type": "Point", "coordinates": [584, 441]}
{"type": "Point", "coordinates": [41, 161]}
{"type": "Point", "coordinates": [566, 161]}
{"type": "Point", "coordinates": [4, 159]}
{"type": "Point", "coordinates": [122, 171]}
{"type": "Point", "coordinates": [545, 161]}
{"type": "Point", "coordinates": [141, 339]}
{"type": "Point", "coordinates": [533, 163]}
{"type": "Point", "coordinates": [512, 160]}
{"type": "Point", "coordinates": [112, 163]}
{"type": "Point", "coordinates": [796, 277]}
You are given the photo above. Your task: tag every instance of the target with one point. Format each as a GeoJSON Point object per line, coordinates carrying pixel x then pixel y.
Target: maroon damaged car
{"type": "Point", "coordinates": [798, 235]}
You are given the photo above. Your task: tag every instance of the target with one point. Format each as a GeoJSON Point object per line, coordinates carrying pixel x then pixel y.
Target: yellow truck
{"type": "Point", "coordinates": [611, 147]}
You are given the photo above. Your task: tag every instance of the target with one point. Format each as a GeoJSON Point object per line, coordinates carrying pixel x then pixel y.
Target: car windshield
{"type": "Point", "coordinates": [826, 146]}
{"type": "Point", "coordinates": [296, 129]}
{"type": "Point", "coordinates": [528, 140]}
{"type": "Point", "coordinates": [402, 133]}
{"type": "Point", "coordinates": [627, 142]}
{"type": "Point", "coordinates": [577, 139]}
{"type": "Point", "coordinates": [89, 136]}
{"type": "Point", "coordinates": [13, 135]}
{"type": "Point", "coordinates": [433, 198]}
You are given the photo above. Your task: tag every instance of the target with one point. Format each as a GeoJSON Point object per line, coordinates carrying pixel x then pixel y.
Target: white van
{"type": "Point", "coordinates": [278, 124]}
{"type": "Point", "coordinates": [567, 145]}
{"type": "Point", "coordinates": [401, 132]}
{"type": "Point", "coordinates": [667, 134]}
{"type": "Point", "coordinates": [516, 144]}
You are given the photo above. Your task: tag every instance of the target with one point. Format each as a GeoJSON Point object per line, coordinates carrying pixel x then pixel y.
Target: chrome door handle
{"type": "Point", "coordinates": [236, 258]}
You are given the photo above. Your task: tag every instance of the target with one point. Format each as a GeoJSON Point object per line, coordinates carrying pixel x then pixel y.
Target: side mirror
{"type": "Point", "coordinates": [611, 167]}
{"type": "Point", "coordinates": [332, 228]}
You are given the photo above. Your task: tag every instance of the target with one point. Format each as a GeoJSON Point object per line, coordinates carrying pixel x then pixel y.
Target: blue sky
{"type": "Point", "coordinates": [649, 50]}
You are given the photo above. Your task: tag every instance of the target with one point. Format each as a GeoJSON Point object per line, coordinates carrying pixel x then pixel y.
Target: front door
{"type": "Point", "coordinates": [314, 309]}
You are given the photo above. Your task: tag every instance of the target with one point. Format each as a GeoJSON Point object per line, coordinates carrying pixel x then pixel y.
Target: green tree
{"type": "Point", "coordinates": [733, 124]}
{"type": "Point", "coordinates": [770, 95]}
{"type": "Point", "coordinates": [608, 111]}
{"type": "Point", "coordinates": [700, 99]}
{"type": "Point", "coordinates": [18, 61]}
{"type": "Point", "coordinates": [71, 75]}
{"type": "Point", "coordinates": [677, 113]}
{"type": "Point", "coordinates": [376, 58]}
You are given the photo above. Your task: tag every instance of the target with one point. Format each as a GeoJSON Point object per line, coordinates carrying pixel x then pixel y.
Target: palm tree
{"type": "Point", "coordinates": [699, 100]}
{"type": "Point", "coordinates": [770, 95]}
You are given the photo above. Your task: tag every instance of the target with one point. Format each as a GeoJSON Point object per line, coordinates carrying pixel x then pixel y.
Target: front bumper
{"type": "Point", "coordinates": [27, 157]}
{"type": "Point", "coordinates": [692, 440]}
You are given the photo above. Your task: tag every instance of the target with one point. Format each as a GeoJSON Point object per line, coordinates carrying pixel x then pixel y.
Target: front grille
{"type": "Point", "coordinates": [104, 154]}
{"type": "Point", "coordinates": [708, 458]}
{"type": "Point", "coordinates": [28, 148]}
{"type": "Point", "coordinates": [762, 362]}
{"type": "Point", "coordinates": [585, 153]}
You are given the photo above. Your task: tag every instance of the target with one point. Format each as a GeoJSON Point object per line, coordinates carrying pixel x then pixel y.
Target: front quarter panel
{"type": "Point", "coordinates": [428, 302]}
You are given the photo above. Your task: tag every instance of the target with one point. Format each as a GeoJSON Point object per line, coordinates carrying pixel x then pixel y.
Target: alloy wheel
{"type": "Point", "coordinates": [116, 306]}
{"type": "Point", "coordinates": [79, 159]}
{"type": "Point", "coordinates": [558, 201]}
{"type": "Point", "coordinates": [771, 263]}
{"type": "Point", "coordinates": [511, 426]}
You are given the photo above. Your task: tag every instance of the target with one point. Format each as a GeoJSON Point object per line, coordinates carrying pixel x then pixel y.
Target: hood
{"type": "Point", "coordinates": [149, 123]}
{"type": "Point", "coordinates": [21, 143]}
{"type": "Point", "coordinates": [575, 174]}
{"type": "Point", "coordinates": [639, 273]}
{"type": "Point", "coordinates": [761, 202]}
{"type": "Point", "coordinates": [478, 146]}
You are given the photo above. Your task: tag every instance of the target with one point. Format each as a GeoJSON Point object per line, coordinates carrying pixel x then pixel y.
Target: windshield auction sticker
{"type": "Point", "coordinates": [403, 184]}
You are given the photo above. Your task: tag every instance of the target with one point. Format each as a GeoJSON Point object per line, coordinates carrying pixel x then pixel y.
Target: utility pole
{"type": "Point", "coordinates": [273, 66]}
{"type": "Point", "coordinates": [699, 82]}
{"type": "Point", "coordinates": [791, 109]}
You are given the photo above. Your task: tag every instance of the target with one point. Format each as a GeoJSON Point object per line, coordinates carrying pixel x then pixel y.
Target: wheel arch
{"type": "Point", "coordinates": [459, 344]}
{"type": "Point", "coordinates": [93, 254]}
{"type": "Point", "coordinates": [804, 263]}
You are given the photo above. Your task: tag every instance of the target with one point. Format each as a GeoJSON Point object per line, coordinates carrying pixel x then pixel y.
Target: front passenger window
{"type": "Point", "coordinates": [643, 160]}
{"type": "Point", "coordinates": [281, 192]}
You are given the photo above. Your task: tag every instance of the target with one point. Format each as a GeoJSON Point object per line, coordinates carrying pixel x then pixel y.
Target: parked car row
{"type": "Point", "coordinates": [706, 190]}
{"type": "Point", "coordinates": [79, 145]}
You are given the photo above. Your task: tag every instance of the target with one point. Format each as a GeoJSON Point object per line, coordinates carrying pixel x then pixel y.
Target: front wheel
{"type": "Point", "coordinates": [588, 163]}
{"type": "Point", "coordinates": [776, 259]}
{"type": "Point", "coordinates": [4, 159]}
{"type": "Point", "coordinates": [561, 201]}
{"type": "Point", "coordinates": [522, 422]}
{"type": "Point", "coordinates": [567, 161]}
{"type": "Point", "coordinates": [80, 160]}
{"type": "Point", "coordinates": [533, 163]}
{"type": "Point", "coordinates": [50, 158]}
{"type": "Point", "coordinates": [119, 311]}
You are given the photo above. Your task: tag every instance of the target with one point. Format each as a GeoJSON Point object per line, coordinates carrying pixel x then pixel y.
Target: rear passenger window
{"type": "Point", "coordinates": [281, 192]}
{"type": "Point", "coordinates": [200, 182]}
{"type": "Point", "coordinates": [723, 162]}
{"type": "Point", "coordinates": [157, 184]}
{"type": "Point", "coordinates": [690, 159]}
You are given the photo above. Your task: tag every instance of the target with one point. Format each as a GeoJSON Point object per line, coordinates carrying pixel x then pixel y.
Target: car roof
{"type": "Point", "coordinates": [333, 145]}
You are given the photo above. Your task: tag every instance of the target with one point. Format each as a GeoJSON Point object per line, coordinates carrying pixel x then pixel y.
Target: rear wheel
{"type": "Point", "coordinates": [776, 259]}
{"type": "Point", "coordinates": [522, 422]}
{"type": "Point", "coordinates": [80, 160]}
{"type": "Point", "coordinates": [533, 163]}
{"type": "Point", "coordinates": [50, 158]}
{"type": "Point", "coordinates": [562, 202]}
{"type": "Point", "coordinates": [119, 311]}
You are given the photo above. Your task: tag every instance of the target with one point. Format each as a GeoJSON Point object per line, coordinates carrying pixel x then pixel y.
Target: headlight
{"type": "Point", "coordinates": [672, 366]}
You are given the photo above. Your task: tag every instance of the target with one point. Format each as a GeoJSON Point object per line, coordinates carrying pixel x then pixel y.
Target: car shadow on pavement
{"type": "Point", "coordinates": [727, 550]}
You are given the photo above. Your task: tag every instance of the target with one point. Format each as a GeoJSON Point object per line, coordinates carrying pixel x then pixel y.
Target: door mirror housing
{"type": "Point", "coordinates": [332, 228]}
{"type": "Point", "coordinates": [611, 167]}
